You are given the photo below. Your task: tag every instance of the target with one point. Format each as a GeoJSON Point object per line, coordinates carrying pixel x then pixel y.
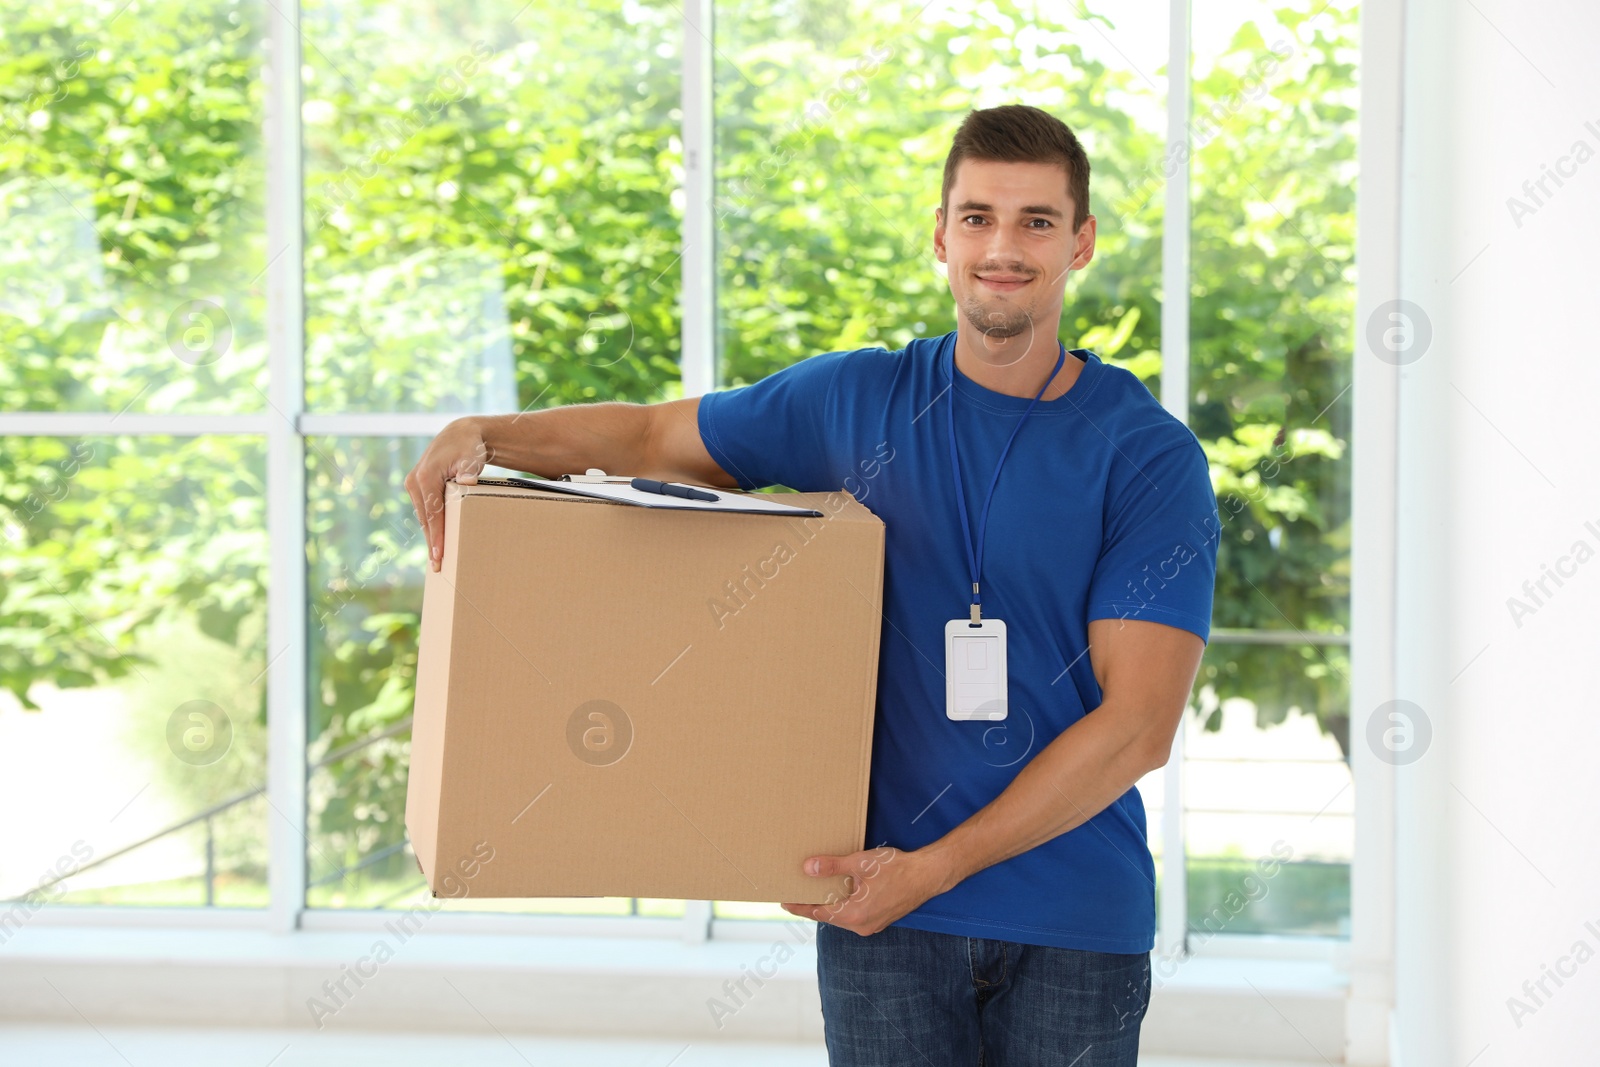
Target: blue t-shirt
{"type": "Point", "coordinates": [1104, 509]}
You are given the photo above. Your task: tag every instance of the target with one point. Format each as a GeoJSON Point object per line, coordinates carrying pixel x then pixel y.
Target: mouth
{"type": "Point", "coordinates": [1003, 283]}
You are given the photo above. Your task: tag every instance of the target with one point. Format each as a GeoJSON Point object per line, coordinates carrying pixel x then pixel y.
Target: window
{"type": "Point", "coordinates": [1268, 796]}
{"type": "Point", "coordinates": [831, 135]}
{"type": "Point", "coordinates": [506, 206]}
{"type": "Point", "coordinates": [132, 611]}
{"type": "Point", "coordinates": [490, 226]}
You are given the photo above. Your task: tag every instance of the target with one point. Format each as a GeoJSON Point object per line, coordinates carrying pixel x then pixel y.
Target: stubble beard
{"type": "Point", "coordinates": [999, 321]}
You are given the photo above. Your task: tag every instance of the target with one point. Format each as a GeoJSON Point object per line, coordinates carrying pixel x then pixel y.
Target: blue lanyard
{"type": "Point", "coordinates": [974, 556]}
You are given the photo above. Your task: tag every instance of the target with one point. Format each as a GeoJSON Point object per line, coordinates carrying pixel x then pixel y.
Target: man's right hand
{"type": "Point", "coordinates": [458, 454]}
{"type": "Point", "coordinates": [645, 440]}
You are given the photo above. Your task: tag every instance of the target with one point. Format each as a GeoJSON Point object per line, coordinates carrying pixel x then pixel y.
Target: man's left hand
{"type": "Point", "coordinates": [886, 884]}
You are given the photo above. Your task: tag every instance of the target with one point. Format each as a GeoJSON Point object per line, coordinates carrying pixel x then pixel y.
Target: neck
{"type": "Point", "coordinates": [1005, 367]}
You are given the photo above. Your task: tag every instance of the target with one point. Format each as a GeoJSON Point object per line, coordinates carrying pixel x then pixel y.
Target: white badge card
{"type": "Point", "coordinates": [975, 669]}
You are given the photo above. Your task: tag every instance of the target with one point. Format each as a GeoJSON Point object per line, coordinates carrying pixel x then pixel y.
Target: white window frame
{"type": "Point", "coordinates": [285, 425]}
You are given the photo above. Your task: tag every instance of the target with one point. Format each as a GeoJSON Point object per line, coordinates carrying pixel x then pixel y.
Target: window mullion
{"type": "Point", "coordinates": [1173, 918]}
{"type": "Point", "coordinates": [697, 357]}
{"type": "Point", "coordinates": [286, 490]}
{"type": "Point", "coordinates": [697, 360]}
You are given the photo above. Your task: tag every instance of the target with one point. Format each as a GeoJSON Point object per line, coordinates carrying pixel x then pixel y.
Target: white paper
{"type": "Point", "coordinates": [623, 493]}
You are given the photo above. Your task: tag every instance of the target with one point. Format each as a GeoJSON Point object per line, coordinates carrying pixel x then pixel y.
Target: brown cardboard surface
{"type": "Point", "coordinates": [625, 701]}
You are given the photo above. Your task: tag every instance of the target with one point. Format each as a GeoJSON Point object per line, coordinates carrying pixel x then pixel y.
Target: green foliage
{"type": "Point", "coordinates": [830, 158]}
{"type": "Point", "coordinates": [365, 556]}
{"type": "Point", "coordinates": [492, 219]}
{"type": "Point", "coordinates": [130, 185]}
{"type": "Point", "coordinates": [185, 663]}
{"type": "Point", "coordinates": [480, 191]}
{"type": "Point", "coordinates": [108, 535]}
{"type": "Point", "coordinates": [1273, 304]}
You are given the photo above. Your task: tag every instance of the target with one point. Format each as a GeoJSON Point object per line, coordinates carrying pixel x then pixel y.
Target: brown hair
{"type": "Point", "coordinates": [1019, 133]}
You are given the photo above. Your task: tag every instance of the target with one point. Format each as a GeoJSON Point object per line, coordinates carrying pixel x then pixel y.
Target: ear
{"type": "Point", "coordinates": [938, 235]}
{"type": "Point", "coordinates": [1085, 245]}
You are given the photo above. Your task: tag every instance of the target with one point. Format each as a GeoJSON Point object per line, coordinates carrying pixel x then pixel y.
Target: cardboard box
{"type": "Point", "coordinates": [623, 701]}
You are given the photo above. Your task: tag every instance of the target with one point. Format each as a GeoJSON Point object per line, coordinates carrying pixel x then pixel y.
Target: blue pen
{"type": "Point", "coordinates": [687, 492]}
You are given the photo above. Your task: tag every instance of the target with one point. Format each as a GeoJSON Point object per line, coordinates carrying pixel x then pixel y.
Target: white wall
{"type": "Point", "coordinates": [1498, 866]}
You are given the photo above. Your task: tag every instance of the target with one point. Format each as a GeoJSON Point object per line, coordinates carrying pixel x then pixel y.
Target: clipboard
{"type": "Point", "coordinates": [623, 493]}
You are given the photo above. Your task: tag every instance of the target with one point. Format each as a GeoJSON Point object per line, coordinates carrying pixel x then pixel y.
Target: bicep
{"type": "Point", "coordinates": [1146, 671]}
{"type": "Point", "coordinates": [675, 450]}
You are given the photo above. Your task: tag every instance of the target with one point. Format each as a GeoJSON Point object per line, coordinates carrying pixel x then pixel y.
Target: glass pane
{"type": "Point", "coordinates": [131, 206]}
{"type": "Point", "coordinates": [1268, 795]}
{"type": "Point", "coordinates": [747, 909]}
{"type": "Point", "coordinates": [832, 126]}
{"type": "Point", "coordinates": [1153, 791]}
{"type": "Point", "coordinates": [1269, 802]}
{"type": "Point", "coordinates": [493, 203]}
{"type": "Point", "coordinates": [366, 556]}
{"type": "Point", "coordinates": [1273, 304]}
{"type": "Point", "coordinates": [132, 670]}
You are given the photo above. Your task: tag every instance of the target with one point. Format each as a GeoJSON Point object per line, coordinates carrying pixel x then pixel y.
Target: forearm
{"type": "Point", "coordinates": [569, 440]}
{"type": "Point", "coordinates": [1075, 777]}
{"type": "Point", "coordinates": [1146, 672]}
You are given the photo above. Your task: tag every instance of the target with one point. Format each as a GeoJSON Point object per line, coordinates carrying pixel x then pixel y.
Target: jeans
{"type": "Point", "coordinates": [925, 999]}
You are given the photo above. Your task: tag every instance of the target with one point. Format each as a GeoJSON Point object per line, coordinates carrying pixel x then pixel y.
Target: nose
{"type": "Point", "coordinates": [1002, 253]}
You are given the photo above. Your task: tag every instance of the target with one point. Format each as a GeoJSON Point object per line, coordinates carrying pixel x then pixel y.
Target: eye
{"type": "Point", "coordinates": [1047, 222]}
{"type": "Point", "coordinates": [969, 218]}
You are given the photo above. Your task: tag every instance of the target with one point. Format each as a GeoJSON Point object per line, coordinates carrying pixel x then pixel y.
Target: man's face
{"type": "Point", "coordinates": [1008, 242]}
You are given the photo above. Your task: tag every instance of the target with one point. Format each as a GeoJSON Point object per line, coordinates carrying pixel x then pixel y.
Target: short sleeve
{"type": "Point", "coordinates": [775, 432]}
{"type": "Point", "coordinates": [1158, 556]}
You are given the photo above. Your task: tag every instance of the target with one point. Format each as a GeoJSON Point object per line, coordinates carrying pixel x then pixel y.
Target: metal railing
{"type": "Point", "coordinates": [209, 815]}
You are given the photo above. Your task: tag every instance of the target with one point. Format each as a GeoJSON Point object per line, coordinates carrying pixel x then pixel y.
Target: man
{"type": "Point", "coordinates": [1005, 909]}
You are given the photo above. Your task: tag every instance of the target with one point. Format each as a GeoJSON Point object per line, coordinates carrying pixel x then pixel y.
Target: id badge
{"type": "Point", "coordinates": [975, 669]}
